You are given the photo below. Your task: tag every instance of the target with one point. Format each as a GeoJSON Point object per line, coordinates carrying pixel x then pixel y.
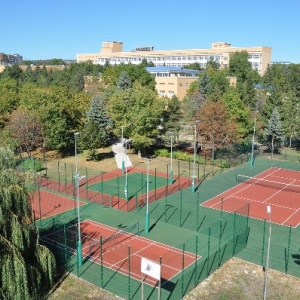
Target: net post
{"type": "Point", "coordinates": [263, 244]}
{"type": "Point", "coordinates": [101, 261]}
{"type": "Point", "coordinates": [129, 276]}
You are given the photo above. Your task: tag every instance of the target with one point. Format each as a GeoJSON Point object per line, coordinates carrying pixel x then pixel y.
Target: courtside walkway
{"type": "Point", "coordinates": [120, 155]}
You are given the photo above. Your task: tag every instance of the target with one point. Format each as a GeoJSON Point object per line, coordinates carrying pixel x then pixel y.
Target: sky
{"type": "Point", "coordinates": [44, 29]}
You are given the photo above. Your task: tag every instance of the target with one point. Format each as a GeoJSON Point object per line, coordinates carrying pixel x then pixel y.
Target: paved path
{"type": "Point", "coordinates": [120, 155]}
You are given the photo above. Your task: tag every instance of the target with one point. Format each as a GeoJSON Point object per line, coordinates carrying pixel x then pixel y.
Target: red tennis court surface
{"type": "Point", "coordinates": [123, 252]}
{"type": "Point", "coordinates": [45, 204]}
{"type": "Point", "coordinates": [275, 187]}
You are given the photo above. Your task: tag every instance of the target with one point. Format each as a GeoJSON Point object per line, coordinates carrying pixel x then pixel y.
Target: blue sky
{"type": "Point", "coordinates": [44, 29]}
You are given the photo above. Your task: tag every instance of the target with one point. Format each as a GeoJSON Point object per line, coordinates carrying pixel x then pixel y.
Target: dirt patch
{"type": "Point", "coordinates": [238, 279]}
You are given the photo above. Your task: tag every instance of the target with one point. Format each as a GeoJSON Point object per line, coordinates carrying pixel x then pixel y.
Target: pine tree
{"type": "Point", "coordinates": [274, 134]}
{"type": "Point", "coordinates": [95, 133]}
{"type": "Point", "coordinates": [124, 81]}
{"type": "Point", "coordinates": [27, 269]}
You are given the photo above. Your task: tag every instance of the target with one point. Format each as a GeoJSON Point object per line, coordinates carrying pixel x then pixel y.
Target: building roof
{"type": "Point", "coordinates": [172, 70]}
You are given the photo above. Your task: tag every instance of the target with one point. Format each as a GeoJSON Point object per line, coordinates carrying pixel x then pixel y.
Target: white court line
{"type": "Point", "coordinates": [291, 216]}
{"type": "Point", "coordinates": [232, 195]}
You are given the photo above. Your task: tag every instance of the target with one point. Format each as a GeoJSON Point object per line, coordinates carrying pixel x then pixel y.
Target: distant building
{"type": "Point", "coordinates": [173, 81]}
{"type": "Point", "coordinates": [112, 52]}
{"type": "Point", "coordinates": [10, 59]}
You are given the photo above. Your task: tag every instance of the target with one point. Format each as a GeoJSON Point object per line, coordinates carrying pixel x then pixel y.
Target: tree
{"type": "Point", "coordinates": [215, 129]}
{"type": "Point", "coordinates": [172, 115]}
{"type": "Point", "coordinates": [27, 130]}
{"type": "Point", "coordinates": [95, 132]}
{"type": "Point", "coordinates": [124, 81]}
{"type": "Point", "coordinates": [274, 134]}
{"type": "Point", "coordinates": [139, 111]}
{"type": "Point", "coordinates": [8, 98]}
{"type": "Point", "coordinates": [27, 269]}
{"type": "Point", "coordinates": [239, 66]}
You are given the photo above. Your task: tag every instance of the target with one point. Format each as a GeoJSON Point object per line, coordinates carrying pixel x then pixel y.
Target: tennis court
{"type": "Point", "coordinates": [45, 204]}
{"type": "Point", "coordinates": [136, 183]}
{"type": "Point", "coordinates": [121, 250]}
{"type": "Point", "coordinates": [276, 187]}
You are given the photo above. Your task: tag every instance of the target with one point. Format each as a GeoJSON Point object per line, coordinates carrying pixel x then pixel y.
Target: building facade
{"type": "Point", "coordinates": [173, 81]}
{"type": "Point", "coordinates": [112, 52]}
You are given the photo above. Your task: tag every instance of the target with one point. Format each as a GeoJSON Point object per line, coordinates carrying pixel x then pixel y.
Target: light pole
{"type": "Point", "coordinates": [252, 152]}
{"type": "Point", "coordinates": [79, 244]}
{"type": "Point", "coordinates": [171, 169]}
{"type": "Point", "coordinates": [268, 254]}
{"type": "Point", "coordinates": [194, 166]}
{"type": "Point", "coordinates": [126, 176]}
{"type": "Point", "coordinates": [147, 199]}
{"type": "Point", "coordinates": [123, 162]}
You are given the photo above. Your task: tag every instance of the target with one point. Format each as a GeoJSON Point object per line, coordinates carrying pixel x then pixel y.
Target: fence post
{"type": "Point", "coordinates": [182, 271]}
{"type": "Point", "coordinates": [197, 210]}
{"type": "Point", "coordinates": [101, 262]}
{"type": "Point", "coordinates": [196, 253]}
{"type": "Point", "coordinates": [208, 250]}
{"type": "Point", "coordinates": [58, 175]}
{"type": "Point", "coordinates": [129, 276]}
{"type": "Point", "coordinates": [263, 244]}
{"type": "Point", "coordinates": [233, 235]}
{"type": "Point", "coordinates": [288, 250]}
{"type": "Point", "coordinates": [180, 208]}
{"type": "Point", "coordinates": [155, 184]}
{"type": "Point", "coordinates": [65, 246]}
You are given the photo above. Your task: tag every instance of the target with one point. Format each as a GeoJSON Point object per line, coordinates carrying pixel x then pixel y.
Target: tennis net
{"type": "Point", "coordinates": [289, 187]}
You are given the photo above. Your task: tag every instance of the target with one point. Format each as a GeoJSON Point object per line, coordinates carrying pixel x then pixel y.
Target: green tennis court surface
{"type": "Point", "coordinates": [136, 184]}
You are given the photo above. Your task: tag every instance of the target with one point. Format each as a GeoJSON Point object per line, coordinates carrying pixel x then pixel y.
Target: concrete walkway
{"type": "Point", "coordinates": [120, 155]}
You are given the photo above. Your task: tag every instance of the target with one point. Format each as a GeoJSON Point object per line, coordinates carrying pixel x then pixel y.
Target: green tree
{"type": "Point", "coordinates": [139, 111]}
{"type": "Point", "coordinates": [95, 132]}
{"type": "Point", "coordinates": [274, 134]}
{"type": "Point", "coordinates": [239, 66]}
{"type": "Point", "coordinates": [8, 98]}
{"type": "Point", "coordinates": [290, 111]}
{"type": "Point", "coordinates": [27, 269]}
{"type": "Point", "coordinates": [172, 115]}
{"type": "Point", "coordinates": [124, 81]}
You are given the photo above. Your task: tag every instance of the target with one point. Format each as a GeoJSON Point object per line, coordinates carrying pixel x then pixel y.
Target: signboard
{"type": "Point", "coordinates": [145, 48]}
{"type": "Point", "coordinates": [150, 268]}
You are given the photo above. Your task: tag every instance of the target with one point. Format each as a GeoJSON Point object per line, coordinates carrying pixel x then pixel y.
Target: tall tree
{"type": "Point", "coordinates": [27, 130]}
{"type": "Point", "coordinates": [239, 66]}
{"type": "Point", "coordinates": [27, 269]}
{"type": "Point", "coordinates": [139, 111]}
{"type": "Point", "coordinates": [215, 129]}
{"type": "Point", "coordinates": [274, 134]}
{"type": "Point", "coordinates": [95, 132]}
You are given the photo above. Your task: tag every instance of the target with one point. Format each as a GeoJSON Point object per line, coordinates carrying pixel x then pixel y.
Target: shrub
{"type": "Point", "coordinates": [31, 164]}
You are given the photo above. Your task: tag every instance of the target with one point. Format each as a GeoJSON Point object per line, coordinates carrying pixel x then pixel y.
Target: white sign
{"type": "Point", "coordinates": [150, 268]}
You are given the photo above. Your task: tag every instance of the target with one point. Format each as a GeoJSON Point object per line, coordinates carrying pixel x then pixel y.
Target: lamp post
{"type": "Point", "coordinates": [147, 199]}
{"type": "Point", "coordinates": [79, 244]}
{"type": "Point", "coordinates": [171, 169]}
{"type": "Point", "coordinates": [194, 166]}
{"type": "Point", "coordinates": [268, 254]}
{"type": "Point", "coordinates": [123, 162]}
{"type": "Point", "coordinates": [252, 151]}
{"type": "Point", "coordinates": [126, 176]}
